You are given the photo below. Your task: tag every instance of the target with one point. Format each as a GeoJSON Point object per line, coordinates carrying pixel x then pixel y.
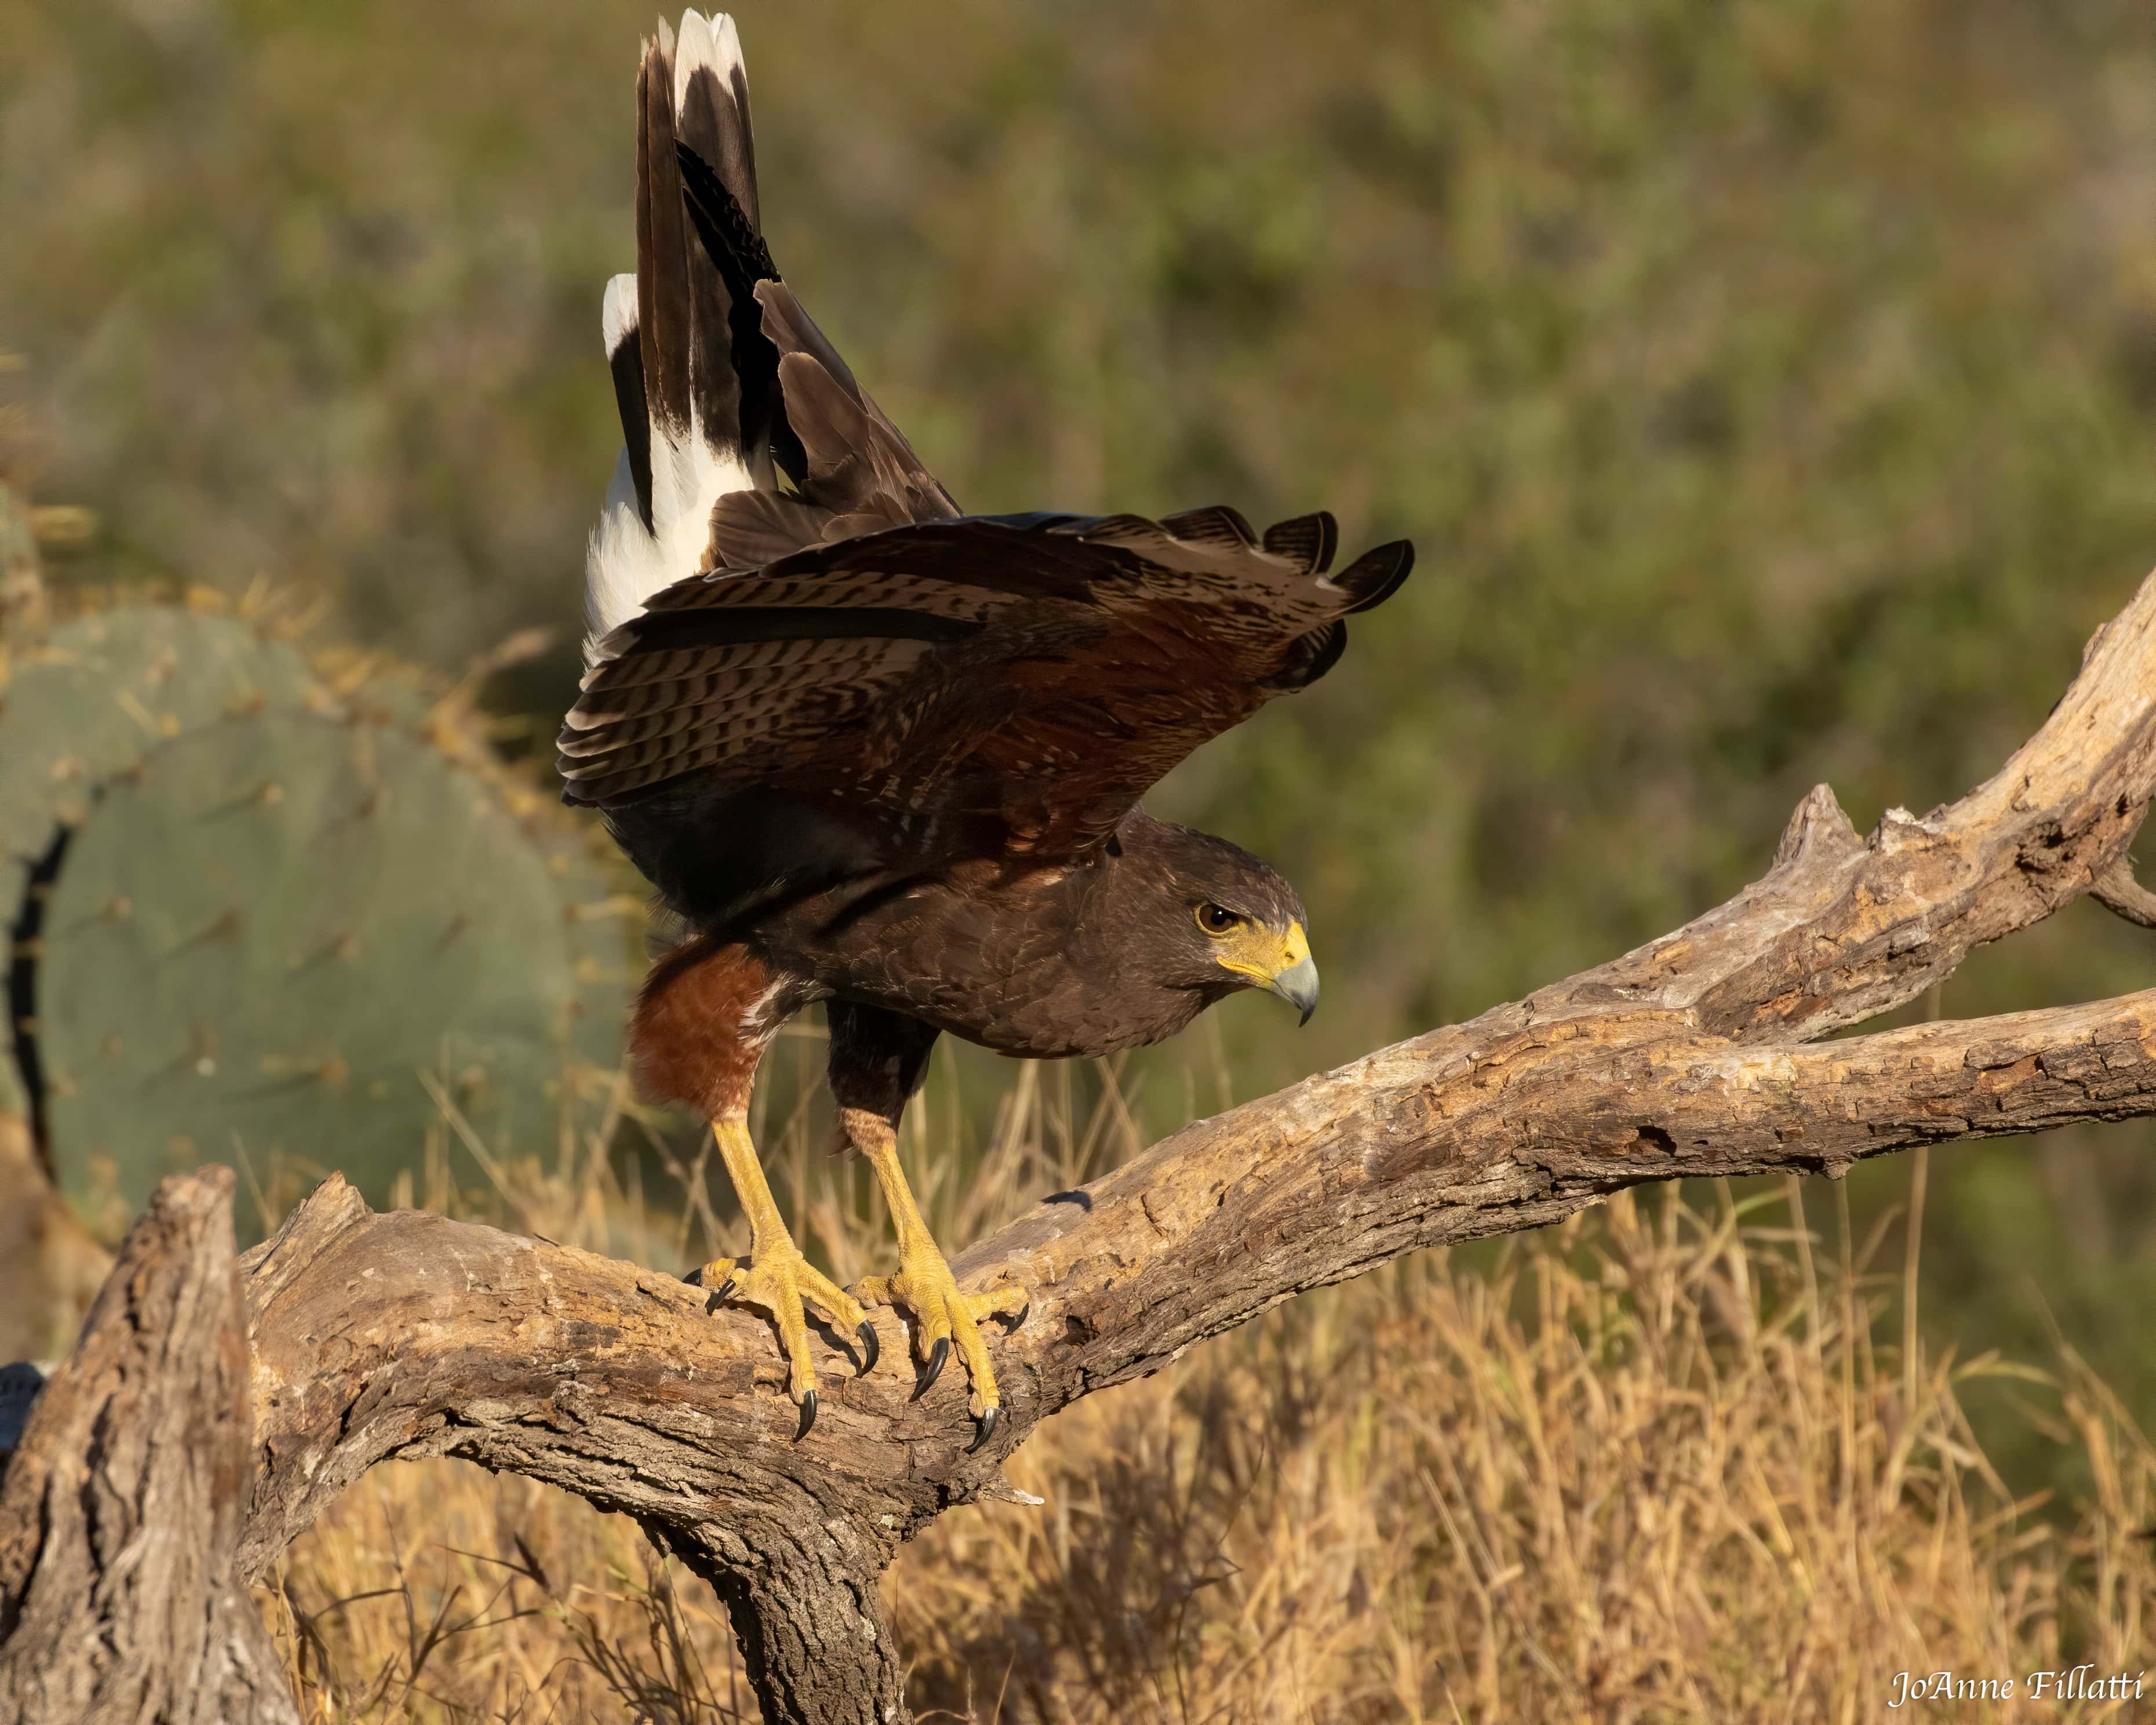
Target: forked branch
{"type": "Point", "coordinates": [407, 1335]}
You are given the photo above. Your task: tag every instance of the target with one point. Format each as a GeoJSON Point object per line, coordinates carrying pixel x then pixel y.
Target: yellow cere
{"type": "Point", "coordinates": [1252, 950]}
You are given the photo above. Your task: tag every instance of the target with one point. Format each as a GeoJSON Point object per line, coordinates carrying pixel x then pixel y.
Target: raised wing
{"type": "Point", "coordinates": [1014, 682]}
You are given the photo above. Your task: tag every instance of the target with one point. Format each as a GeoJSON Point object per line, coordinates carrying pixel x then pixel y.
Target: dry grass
{"type": "Point", "coordinates": [1675, 1461]}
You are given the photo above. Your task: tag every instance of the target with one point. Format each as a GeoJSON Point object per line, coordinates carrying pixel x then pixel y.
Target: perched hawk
{"type": "Point", "coordinates": [876, 753]}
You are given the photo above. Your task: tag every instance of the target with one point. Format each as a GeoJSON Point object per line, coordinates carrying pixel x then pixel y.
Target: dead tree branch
{"type": "Point", "coordinates": [407, 1335]}
{"type": "Point", "coordinates": [2118, 892]}
{"type": "Point", "coordinates": [120, 1511]}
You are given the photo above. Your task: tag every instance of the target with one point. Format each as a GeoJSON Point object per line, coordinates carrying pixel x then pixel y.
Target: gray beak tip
{"type": "Point", "coordinates": [1297, 985]}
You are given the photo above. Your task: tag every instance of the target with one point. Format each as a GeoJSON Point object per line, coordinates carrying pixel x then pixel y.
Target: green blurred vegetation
{"type": "Point", "coordinates": [1769, 387]}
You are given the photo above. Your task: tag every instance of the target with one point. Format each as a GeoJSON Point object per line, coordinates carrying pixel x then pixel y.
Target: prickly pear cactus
{"type": "Point", "coordinates": [85, 704]}
{"type": "Point", "coordinates": [293, 916]}
{"type": "Point", "coordinates": [89, 700]}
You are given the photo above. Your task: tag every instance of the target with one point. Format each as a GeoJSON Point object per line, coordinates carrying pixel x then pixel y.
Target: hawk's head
{"type": "Point", "coordinates": [1215, 917]}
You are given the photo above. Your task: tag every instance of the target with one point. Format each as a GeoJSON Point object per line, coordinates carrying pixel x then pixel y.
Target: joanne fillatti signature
{"type": "Point", "coordinates": [2081, 1683]}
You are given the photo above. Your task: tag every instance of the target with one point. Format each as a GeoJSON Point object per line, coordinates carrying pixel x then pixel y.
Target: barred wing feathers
{"type": "Point", "coordinates": [1014, 680]}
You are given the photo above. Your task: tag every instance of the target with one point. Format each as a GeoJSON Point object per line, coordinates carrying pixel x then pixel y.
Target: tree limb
{"type": "Point", "coordinates": [409, 1335]}
{"type": "Point", "coordinates": [610, 1381]}
{"type": "Point", "coordinates": [2118, 892]}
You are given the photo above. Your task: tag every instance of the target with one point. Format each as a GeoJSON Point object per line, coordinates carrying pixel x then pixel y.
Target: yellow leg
{"type": "Point", "coordinates": [943, 1318]}
{"type": "Point", "coordinates": [777, 1279]}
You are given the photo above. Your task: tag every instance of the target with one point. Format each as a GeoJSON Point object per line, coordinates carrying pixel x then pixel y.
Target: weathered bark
{"type": "Point", "coordinates": [2117, 891]}
{"type": "Point", "coordinates": [807, 1615]}
{"type": "Point", "coordinates": [119, 1513]}
{"type": "Point", "coordinates": [409, 1335]}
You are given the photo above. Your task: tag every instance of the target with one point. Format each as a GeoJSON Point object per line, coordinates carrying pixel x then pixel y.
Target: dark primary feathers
{"type": "Point", "coordinates": [697, 358]}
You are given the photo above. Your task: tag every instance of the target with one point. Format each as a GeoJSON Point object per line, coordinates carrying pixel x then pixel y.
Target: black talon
{"type": "Point", "coordinates": [1017, 1321]}
{"type": "Point", "coordinates": [989, 1422]}
{"type": "Point", "coordinates": [808, 1415]}
{"type": "Point", "coordinates": [871, 1349]}
{"type": "Point", "coordinates": [694, 1278]}
{"type": "Point", "coordinates": [932, 1368]}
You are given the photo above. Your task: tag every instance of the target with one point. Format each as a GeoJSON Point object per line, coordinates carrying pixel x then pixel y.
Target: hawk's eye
{"type": "Point", "coordinates": [1216, 919]}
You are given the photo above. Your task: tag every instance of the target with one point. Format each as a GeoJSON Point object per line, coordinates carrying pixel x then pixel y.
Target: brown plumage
{"type": "Point", "coordinates": [876, 753]}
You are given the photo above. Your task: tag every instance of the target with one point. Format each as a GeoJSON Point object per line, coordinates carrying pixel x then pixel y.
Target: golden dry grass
{"type": "Point", "coordinates": [1676, 1461]}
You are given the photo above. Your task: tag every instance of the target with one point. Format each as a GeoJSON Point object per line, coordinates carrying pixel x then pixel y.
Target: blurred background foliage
{"type": "Point", "coordinates": [1769, 387]}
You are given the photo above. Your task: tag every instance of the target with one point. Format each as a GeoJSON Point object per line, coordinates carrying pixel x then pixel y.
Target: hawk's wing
{"type": "Point", "coordinates": [1017, 682]}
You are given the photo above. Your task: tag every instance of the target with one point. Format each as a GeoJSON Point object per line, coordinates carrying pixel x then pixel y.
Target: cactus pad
{"type": "Point", "coordinates": [91, 698]}
{"type": "Point", "coordinates": [290, 915]}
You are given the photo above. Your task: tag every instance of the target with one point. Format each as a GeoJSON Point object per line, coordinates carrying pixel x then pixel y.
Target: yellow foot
{"type": "Point", "coordinates": [780, 1281]}
{"type": "Point", "coordinates": [941, 1316]}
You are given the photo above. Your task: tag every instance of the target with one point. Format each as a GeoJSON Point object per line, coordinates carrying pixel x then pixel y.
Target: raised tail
{"type": "Point", "coordinates": [744, 436]}
{"type": "Point", "coordinates": [694, 378]}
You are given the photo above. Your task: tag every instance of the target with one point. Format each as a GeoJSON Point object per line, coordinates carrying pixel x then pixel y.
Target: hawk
{"type": "Point", "coordinates": [878, 753]}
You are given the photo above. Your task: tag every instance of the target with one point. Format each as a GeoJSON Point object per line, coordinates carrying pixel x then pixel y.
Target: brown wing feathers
{"type": "Point", "coordinates": [1113, 642]}
{"type": "Point", "coordinates": [774, 703]}
{"type": "Point", "coordinates": [1309, 539]}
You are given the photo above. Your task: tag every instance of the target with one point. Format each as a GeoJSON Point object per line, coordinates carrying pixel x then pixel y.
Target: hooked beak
{"type": "Point", "coordinates": [1297, 985]}
{"type": "Point", "coordinates": [1279, 964]}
